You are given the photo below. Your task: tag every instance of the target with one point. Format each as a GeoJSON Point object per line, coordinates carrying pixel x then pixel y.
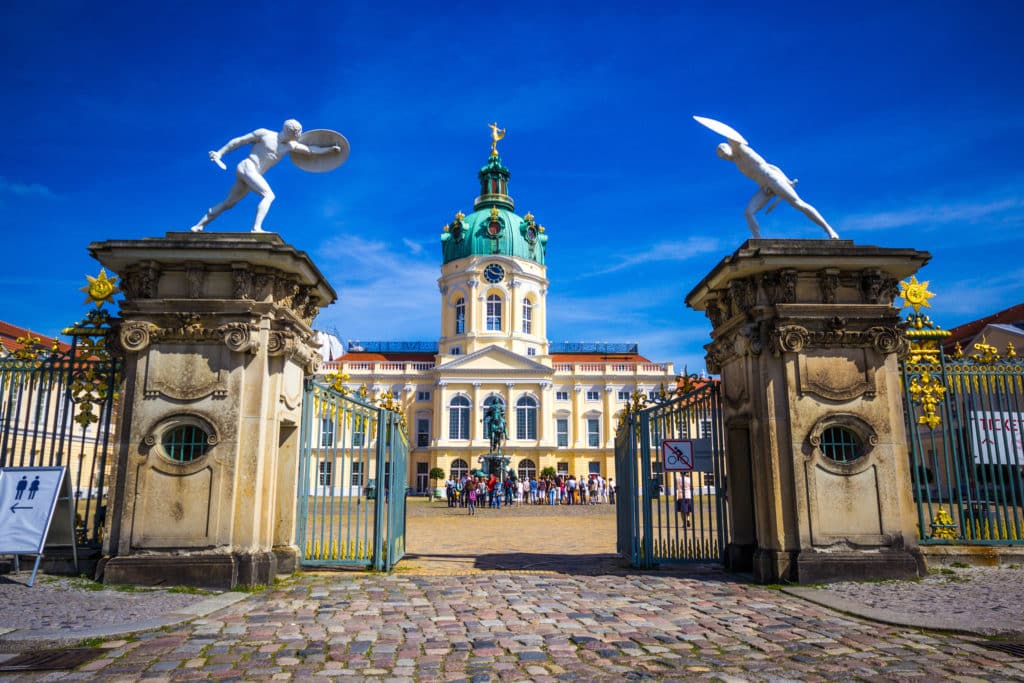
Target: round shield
{"type": "Point", "coordinates": [725, 130]}
{"type": "Point", "coordinates": [327, 161]}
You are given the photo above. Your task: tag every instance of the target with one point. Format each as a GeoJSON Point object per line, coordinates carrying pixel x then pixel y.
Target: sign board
{"type": "Point", "coordinates": [996, 437]}
{"type": "Point", "coordinates": [702, 461]}
{"type": "Point", "coordinates": [677, 455]}
{"type": "Point", "coordinates": [28, 498]}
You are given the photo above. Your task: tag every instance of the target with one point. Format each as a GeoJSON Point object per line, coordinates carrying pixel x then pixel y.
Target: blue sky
{"type": "Point", "coordinates": [904, 125]}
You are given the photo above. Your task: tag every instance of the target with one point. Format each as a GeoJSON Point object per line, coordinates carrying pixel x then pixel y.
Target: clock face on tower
{"type": "Point", "coordinates": [494, 273]}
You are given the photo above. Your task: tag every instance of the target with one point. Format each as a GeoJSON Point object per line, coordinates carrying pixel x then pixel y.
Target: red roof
{"type": "Point", "coordinates": [9, 335]}
{"type": "Point", "coordinates": [967, 331]}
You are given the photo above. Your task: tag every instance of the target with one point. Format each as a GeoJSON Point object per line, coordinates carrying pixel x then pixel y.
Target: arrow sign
{"type": "Point", "coordinates": [17, 507]}
{"type": "Point", "coordinates": [677, 455]}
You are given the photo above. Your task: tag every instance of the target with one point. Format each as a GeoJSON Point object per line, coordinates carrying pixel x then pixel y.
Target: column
{"type": "Point", "coordinates": [216, 334]}
{"type": "Point", "coordinates": [806, 342]}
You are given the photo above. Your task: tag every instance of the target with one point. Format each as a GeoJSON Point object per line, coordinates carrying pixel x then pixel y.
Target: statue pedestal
{"type": "Point", "coordinates": [806, 342]}
{"type": "Point", "coordinates": [215, 329]}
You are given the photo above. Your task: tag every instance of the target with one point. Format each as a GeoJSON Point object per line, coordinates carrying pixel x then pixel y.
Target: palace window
{"type": "Point", "coordinates": [456, 351]}
{"type": "Point", "coordinates": [527, 470]}
{"type": "Point", "coordinates": [562, 432]}
{"type": "Point", "coordinates": [527, 317]}
{"type": "Point", "coordinates": [562, 469]}
{"type": "Point", "coordinates": [357, 473]}
{"type": "Point", "coordinates": [325, 469]}
{"type": "Point", "coordinates": [460, 316]}
{"type": "Point", "coordinates": [594, 467]}
{"type": "Point", "coordinates": [593, 395]}
{"type": "Point", "coordinates": [494, 312]}
{"type": "Point", "coordinates": [705, 429]}
{"type": "Point", "coordinates": [526, 418]}
{"type": "Point", "coordinates": [459, 469]}
{"type": "Point", "coordinates": [624, 396]}
{"type": "Point", "coordinates": [326, 432]}
{"type": "Point", "coordinates": [531, 351]}
{"type": "Point", "coordinates": [561, 395]}
{"type": "Point", "coordinates": [593, 432]}
{"type": "Point", "coordinates": [458, 418]}
{"type": "Point", "coordinates": [422, 432]}
{"type": "Point", "coordinates": [422, 395]}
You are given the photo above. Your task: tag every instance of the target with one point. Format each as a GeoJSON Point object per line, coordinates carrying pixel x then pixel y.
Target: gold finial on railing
{"type": "Point", "coordinates": [496, 134]}
{"type": "Point", "coordinates": [336, 380]}
{"type": "Point", "coordinates": [915, 294]}
{"type": "Point", "coordinates": [100, 288]}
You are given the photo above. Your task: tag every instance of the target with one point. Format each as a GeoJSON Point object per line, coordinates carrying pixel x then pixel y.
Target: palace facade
{"type": "Point", "coordinates": [562, 401]}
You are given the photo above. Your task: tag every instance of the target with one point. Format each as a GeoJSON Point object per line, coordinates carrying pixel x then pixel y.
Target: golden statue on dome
{"type": "Point", "coordinates": [496, 134]}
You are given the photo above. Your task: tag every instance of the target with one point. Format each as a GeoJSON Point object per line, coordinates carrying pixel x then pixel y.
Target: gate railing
{"type": "Point", "coordinates": [965, 428]}
{"type": "Point", "coordinates": [352, 481]}
{"type": "Point", "coordinates": [965, 421]}
{"type": "Point", "coordinates": [672, 509]}
{"type": "Point", "coordinates": [56, 409]}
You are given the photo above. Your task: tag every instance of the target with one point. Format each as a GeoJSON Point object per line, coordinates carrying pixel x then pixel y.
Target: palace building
{"type": "Point", "coordinates": [562, 401]}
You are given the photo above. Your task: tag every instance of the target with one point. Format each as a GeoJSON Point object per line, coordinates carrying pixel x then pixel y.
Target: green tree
{"type": "Point", "coordinates": [547, 472]}
{"type": "Point", "coordinates": [435, 474]}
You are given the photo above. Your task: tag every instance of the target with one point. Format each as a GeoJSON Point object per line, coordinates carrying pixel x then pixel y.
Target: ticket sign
{"type": "Point", "coordinates": [28, 497]}
{"type": "Point", "coordinates": [997, 438]}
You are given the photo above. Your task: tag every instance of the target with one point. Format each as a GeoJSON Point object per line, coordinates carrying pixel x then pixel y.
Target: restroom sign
{"type": "Point", "coordinates": [28, 498]}
{"type": "Point", "coordinates": [677, 455]}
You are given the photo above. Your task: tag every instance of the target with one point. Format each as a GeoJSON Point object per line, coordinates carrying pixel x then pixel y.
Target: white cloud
{"type": "Point", "coordinates": [414, 247]}
{"type": "Point", "coordinates": [965, 213]}
{"type": "Point", "coordinates": [664, 251]}
{"type": "Point", "coordinates": [26, 189]}
{"type": "Point", "coordinates": [383, 291]}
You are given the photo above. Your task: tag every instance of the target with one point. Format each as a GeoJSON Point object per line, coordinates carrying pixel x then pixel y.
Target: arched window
{"type": "Point", "coordinates": [458, 418]}
{"type": "Point", "coordinates": [459, 469]}
{"type": "Point", "coordinates": [527, 317]}
{"type": "Point", "coordinates": [527, 470]}
{"type": "Point", "coordinates": [494, 312]}
{"type": "Point", "coordinates": [526, 418]}
{"type": "Point", "coordinates": [460, 316]}
{"type": "Point", "coordinates": [491, 400]}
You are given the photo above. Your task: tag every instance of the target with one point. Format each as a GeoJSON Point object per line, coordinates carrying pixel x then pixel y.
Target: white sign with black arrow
{"type": "Point", "coordinates": [28, 498]}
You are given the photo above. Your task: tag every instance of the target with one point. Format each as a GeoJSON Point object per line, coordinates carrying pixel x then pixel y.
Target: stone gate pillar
{"type": "Point", "coordinates": [215, 329]}
{"type": "Point", "coordinates": [806, 342]}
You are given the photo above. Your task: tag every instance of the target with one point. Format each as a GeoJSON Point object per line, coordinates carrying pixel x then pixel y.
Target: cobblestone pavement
{"type": "Point", "coordinates": [985, 600]}
{"type": "Point", "coordinates": [430, 623]}
{"type": "Point", "coordinates": [537, 626]}
{"type": "Point", "coordinates": [69, 603]}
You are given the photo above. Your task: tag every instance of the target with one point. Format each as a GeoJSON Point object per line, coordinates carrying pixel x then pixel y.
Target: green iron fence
{"type": "Point", "coordinates": [56, 410]}
{"type": "Point", "coordinates": [352, 481]}
{"type": "Point", "coordinates": [671, 494]}
{"type": "Point", "coordinates": [965, 424]}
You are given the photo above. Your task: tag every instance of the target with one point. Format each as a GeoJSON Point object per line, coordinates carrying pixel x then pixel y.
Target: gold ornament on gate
{"type": "Point", "coordinates": [915, 294]}
{"type": "Point", "coordinates": [100, 288]}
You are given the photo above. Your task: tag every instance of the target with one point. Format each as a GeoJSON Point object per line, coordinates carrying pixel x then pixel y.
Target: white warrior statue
{"type": "Point", "coordinates": [772, 181]}
{"type": "Point", "coordinates": [316, 151]}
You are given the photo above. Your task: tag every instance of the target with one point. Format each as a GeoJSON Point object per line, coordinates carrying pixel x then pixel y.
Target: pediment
{"type": "Point", "coordinates": [494, 359]}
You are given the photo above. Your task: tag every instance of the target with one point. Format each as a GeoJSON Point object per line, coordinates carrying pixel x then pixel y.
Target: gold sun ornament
{"type": "Point", "coordinates": [100, 288]}
{"type": "Point", "coordinates": [915, 294]}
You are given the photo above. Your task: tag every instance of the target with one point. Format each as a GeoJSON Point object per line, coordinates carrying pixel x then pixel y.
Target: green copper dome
{"type": "Point", "coordinates": [493, 227]}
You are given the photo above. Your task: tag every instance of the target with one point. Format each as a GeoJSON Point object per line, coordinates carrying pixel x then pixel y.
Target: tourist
{"type": "Point", "coordinates": [552, 491]}
{"type": "Point", "coordinates": [592, 490]}
{"type": "Point", "coordinates": [611, 490]}
{"type": "Point", "coordinates": [471, 498]}
{"type": "Point", "coordinates": [571, 487]}
{"type": "Point", "coordinates": [533, 490]}
{"type": "Point", "coordinates": [684, 505]}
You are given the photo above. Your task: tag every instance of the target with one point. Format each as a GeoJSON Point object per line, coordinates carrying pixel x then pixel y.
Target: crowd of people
{"type": "Point", "coordinates": [471, 492]}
